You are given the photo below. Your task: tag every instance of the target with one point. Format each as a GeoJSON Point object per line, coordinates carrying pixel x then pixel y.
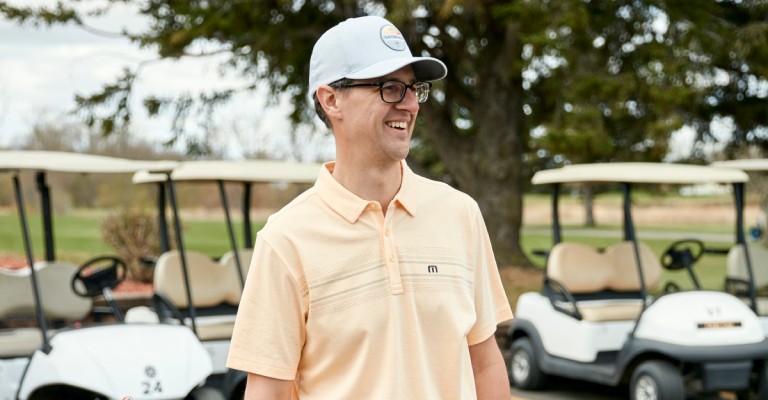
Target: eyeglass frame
{"type": "Point", "coordinates": [380, 85]}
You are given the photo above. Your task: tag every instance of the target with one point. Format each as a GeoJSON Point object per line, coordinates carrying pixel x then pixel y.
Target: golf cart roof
{"type": "Point", "coordinates": [57, 161]}
{"type": "Point", "coordinates": [144, 176]}
{"type": "Point", "coordinates": [639, 172]}
{"type": "Point", "coordinates": [237, 171]}
{"type": "Point", "coordinates": [751, 164]}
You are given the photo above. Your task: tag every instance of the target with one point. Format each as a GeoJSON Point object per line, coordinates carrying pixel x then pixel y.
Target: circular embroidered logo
{"type": "Point", "coordinates": [392, 37]}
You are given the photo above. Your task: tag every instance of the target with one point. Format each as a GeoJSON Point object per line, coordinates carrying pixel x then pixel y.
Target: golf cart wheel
{"type": "Point", "coordinates": [656, 380]}
{"type": "Point", "coordinates": [524, 372]}
{"type": "Point", "coordinates": [205, 393]}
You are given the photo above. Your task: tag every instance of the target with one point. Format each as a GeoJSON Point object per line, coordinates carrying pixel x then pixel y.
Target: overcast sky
{"type": "Point", "coordinates": [42, 69]}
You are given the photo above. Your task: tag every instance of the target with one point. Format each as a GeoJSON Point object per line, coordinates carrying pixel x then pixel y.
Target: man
{"type": "Point", "coordinates": [375, 283]}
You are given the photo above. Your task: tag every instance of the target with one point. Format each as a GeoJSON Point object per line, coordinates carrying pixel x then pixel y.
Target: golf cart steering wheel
{"type": "Point", "coordinates": [97, 274]}
{"type": "Point", "coordinates": [682, 254]}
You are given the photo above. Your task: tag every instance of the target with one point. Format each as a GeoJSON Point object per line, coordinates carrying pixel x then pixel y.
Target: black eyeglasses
{"type": "Point", "coordinates": [393, 91]}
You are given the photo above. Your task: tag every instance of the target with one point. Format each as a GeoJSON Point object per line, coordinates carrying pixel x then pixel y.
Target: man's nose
{"type": "Point", "coordinates": [409, 102]}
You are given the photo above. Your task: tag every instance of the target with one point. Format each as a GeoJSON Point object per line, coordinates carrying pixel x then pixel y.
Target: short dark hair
{"type": "Point", "coordinates": [319, 108]}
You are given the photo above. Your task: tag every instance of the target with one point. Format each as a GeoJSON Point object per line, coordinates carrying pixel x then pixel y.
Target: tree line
{"type": "Point", "coordinates": [532, 84]}
{"type": "Point", "coordinates": [117, 192]}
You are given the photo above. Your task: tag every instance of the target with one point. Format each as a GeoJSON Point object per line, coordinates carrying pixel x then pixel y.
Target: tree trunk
{"type": "Point", "coordinates": [502, 207]}
{"type": "Point", "coordinates": [588, 197]}
{"type": "Point", "coordinates": [488, 165]}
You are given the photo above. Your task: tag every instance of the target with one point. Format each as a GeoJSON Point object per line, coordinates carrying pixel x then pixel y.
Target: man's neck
{"type": "Point", "coordinates": [373, 182]}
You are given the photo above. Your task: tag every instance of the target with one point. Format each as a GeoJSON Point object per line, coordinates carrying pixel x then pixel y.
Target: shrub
{"type": "Point", "coordinates": [133, 235]}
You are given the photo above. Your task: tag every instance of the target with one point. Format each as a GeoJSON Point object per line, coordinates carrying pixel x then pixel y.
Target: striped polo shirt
{"type": "Point", "coordinates": [351, 303]}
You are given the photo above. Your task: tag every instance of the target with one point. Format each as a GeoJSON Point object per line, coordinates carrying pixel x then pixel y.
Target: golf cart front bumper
{"type": "Point", "coordinates": [727, 367]}
{"type": "Point", "coordinates": [726, 375]}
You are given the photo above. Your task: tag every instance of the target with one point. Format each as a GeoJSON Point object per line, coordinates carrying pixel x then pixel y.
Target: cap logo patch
{"type": "Point", "coordinates": [392, 38]}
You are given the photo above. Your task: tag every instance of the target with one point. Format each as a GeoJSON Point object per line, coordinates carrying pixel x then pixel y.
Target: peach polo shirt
{"type": "Point", "coordinates": [352, 304]}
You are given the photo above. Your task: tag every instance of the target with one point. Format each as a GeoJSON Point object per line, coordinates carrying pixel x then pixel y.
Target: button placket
{"type": "Point", "coordinates": [390, 251]}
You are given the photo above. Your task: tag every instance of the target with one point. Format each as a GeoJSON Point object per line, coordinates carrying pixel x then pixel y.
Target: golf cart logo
{"type": "Point", "coordinates": [151, 385]}
{"type": "Point", "coordinates": [714, 311]}
{"type": "Point", "coordinates": [392, 37]}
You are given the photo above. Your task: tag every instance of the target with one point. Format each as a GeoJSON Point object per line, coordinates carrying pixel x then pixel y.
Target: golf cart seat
{"type": "Point", "coordinates": [594, 285]}
{"type": "Point", "coordinates": [59, 303]}
{"type": "Point", "coordinates": [212, 285]}
{"type": "Point", "coordinates": [229, 262]}
{"type": "Point", "coordinates": [228, 259]}
{"type": "Point", "coordinates": [737, 278]}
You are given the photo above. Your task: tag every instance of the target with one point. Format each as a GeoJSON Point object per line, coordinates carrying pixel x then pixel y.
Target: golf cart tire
{"type": "Point", "coordinates": [662, 377]}
{"type": "Point", "coordinates": [524, 372]}
{"type": "Point", "coordinates": [205, 393]}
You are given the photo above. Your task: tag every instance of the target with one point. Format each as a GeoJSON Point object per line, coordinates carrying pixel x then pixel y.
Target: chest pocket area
{"type": "Point", "coordinates": [441, 293]}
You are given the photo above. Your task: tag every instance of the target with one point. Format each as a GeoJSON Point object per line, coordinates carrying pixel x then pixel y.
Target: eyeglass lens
{"type": "Point", "coordinates": [394, 91]}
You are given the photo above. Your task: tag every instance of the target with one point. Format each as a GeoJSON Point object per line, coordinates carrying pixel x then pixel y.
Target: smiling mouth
{"type": "Point", "coordinates": [398, 125]}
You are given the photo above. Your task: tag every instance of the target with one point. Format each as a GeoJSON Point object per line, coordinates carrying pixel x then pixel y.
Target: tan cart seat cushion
{"type": "Point", "coordinates": [583, 269]}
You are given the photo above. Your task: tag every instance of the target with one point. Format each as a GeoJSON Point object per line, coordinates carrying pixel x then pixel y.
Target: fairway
{"type": "Point", "coordinates": [78, 235]}
{"type": "Point", "coordinates": [660, 221]}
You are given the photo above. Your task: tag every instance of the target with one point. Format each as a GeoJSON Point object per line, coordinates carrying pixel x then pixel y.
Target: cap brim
{"type": "Point", "coordinates": [425, 68]}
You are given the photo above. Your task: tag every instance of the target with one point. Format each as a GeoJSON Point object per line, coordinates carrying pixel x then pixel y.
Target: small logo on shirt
{"type": "Point", "coordinates": [432, 269]}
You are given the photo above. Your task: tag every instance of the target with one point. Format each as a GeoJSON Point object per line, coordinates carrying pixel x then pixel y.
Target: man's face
{"type": "Point", "coordinates": [378, 130]}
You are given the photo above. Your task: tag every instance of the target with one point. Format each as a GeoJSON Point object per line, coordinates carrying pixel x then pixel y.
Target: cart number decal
{"type": "Point", "coordinates": [151, 387]}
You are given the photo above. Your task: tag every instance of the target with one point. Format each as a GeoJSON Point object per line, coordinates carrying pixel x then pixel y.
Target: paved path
{"type": "Point", "coordinates": [566, 389]}
{"type": "Point", "coordinates": [582, 391]}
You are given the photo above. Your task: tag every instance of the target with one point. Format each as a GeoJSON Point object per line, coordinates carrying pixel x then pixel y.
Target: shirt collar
{"type": "Point", "coordinates": [349, 206]}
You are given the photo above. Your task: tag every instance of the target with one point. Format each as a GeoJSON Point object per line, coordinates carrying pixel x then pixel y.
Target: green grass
{"type": "Point", "coordinates": [78, 236]}
{"type": "Point", "coordinates": [212, 237]}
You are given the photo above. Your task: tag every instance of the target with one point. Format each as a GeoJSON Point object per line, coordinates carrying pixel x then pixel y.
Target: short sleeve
{"type": "Point", "coordinates": [269, 330]}
{"type": "Point", "coordinates": [491, 303]}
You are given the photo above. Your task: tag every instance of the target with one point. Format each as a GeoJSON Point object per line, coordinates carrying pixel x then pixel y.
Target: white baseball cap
{"type": "Point", "coordinates": [365, 48]}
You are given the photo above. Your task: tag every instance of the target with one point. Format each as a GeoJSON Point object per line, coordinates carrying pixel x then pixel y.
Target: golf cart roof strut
{"type": "Point", "coordinates": [231, 232]}
{"type": "Point", "coordinates": [45, 210]}
{"type": "Point", "coordinates": [556, 236]}
{"type": "Point", "coordinates": [31, 261]}
{"type": "Point", "coordinates": [182, 253]}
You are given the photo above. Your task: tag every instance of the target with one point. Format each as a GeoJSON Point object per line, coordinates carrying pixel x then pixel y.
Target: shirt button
{"type": "Point", "coordinates": [386, 232]}
{"type": "Point", "coordinates": [391, 258]}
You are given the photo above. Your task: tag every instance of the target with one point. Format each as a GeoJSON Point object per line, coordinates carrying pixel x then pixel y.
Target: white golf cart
{"type": "Point", "coordinates": [63, 354]}
{"type": "Point", "coordinates": [595, 321]}
{"type": "Point", "coordinates": [193, 287]}
{"type": "Point", "coordinates": [747, 268]}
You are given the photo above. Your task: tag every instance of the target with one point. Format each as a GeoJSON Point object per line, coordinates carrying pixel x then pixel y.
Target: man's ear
{"type": "Point", "coordinates": [329, 100]}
